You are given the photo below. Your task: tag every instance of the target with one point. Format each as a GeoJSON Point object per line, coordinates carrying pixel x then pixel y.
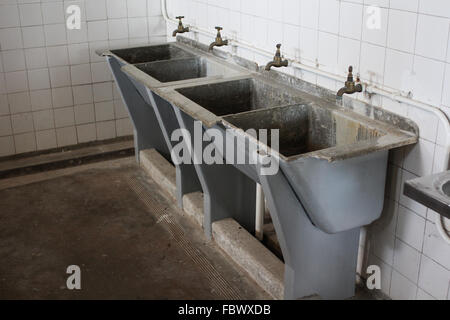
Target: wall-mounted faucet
{"type": "Point", "coordinates": [277, 60]}
{"type": "Point", "coordinates": [219, 41]}
{"type": "Point", "coordinates": [350, 85]}
{"type": "Point", "coordinates": [181, 28]}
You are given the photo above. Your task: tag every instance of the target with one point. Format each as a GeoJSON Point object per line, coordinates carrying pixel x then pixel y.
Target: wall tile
{"type": "Point", "coordinates": [36, 58]}
{"type": "Point", "coordinates": [372, 62]}
{"type": "Point", "coordinates": [434, 278]}
{"type": "Point", "coordinates": [435, 7]}
{"type": "Point", "coordinates": [43, 120]}
{"type": "Point", "coordinates": [25, 142]}
{"type": "Point", "coordinates": [5, 126]}
{"type": "Point", "coordinates": [11, 38]}
{"type": "Point", "coordinates": [429, 77]}
{"type": "Point", "coordinates": [22, 122]}
{"type": "Point", "coordinates": [400, 36]}
{"type": "Point", "coordinates": [329, 16]}
{"type": "Point", "coordinates": [419, 158]}
{"type": "Point", "coordinates": [410, 228]}
{"type": "Point", "coordinates": [432, 37]}
{"type": "Point", "coordinates": [7, 146]}
{"type": "Point", "coordinates": [66, 136]}
{"type": "Point", "coordinates": [402, 288]}
{"type": "Point", "coordinates": [106, 130]}
{"type": "Point", "coordinates": [9, 16]}
{"type": "Point", "coordinates": [406, 260]}
{"type": "Point", "coordinates": [435, 247]}
{"type": "Point", "coordinates": [41, 99]}
{"type": "Point", "coordinates": [309, 14]}
{"type": "Point", "coordinates": [46, 139]}
{"type": "Point", "coordinates": [398, 69]}
{"type": "Point", "coordinates": [410, 5]}
{"type": "Point", "coordinates": [30, 14]}
{"type": "Point", "coordinates": [53, 12]}
{"type": "Point", "coordinates": [96, 10]}
{"type": "Point", "coordinates": [84, 114]}
{"type": "Point", "coordinates": [87, 133]}
{"type": "Point", "coordinates": [349, 13]}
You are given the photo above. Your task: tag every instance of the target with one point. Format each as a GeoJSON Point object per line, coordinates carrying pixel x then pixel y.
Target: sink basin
{"type": "Point", "coordinates": [446, 188]}
{"type": "Point", "coordinates": [237, 96]}
{"type": "Point", "coordinates": [151, 53]}
{"type": "Point", "coordinates": [327, 190]}
{"type": "Point", "coordinates": [184, 69]}
{"type": "Point", "coordinates": [303, 128]}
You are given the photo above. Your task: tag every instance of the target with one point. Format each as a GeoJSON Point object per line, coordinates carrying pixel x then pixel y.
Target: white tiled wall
{"type": "Point", "coordinates": [410, 52]}
{"type": "Point", "coordinates": [54, 90]}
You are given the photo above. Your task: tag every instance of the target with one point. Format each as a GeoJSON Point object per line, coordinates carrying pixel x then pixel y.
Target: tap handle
{"type": "Point", "coordinates": [350, 74]}
{"type": "Point", "coordinates": [219, 29]}
{"type": "Point", "coordinates": [278, 53]}
{"type": "Point", "coordinates": [180, 17]}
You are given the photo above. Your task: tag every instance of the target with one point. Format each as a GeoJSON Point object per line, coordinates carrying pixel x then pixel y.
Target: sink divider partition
{"type": "Point", "coordinates": [228, 193]}
{"type": "Point", "coordinates": [186, 176]}
{"type": "Point", "coordinates": [147, 132]}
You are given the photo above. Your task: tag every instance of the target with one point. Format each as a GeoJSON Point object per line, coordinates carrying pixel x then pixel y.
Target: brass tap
{"type": "Point", "coordinates": [350, 85]}
{"type": "Point", "coordinates": [219, 41]}
{"type": "Point", "coordinates": [277, 60]}
{"type": "Point", "coordinates": [181, 28]}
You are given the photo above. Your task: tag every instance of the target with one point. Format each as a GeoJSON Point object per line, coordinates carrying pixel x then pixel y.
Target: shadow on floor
{"type": "Point", "coordinates": [124, 243]}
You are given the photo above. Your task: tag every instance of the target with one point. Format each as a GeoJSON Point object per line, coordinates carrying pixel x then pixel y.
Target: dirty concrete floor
{"type": "Point", "coordinates": [111, 220]}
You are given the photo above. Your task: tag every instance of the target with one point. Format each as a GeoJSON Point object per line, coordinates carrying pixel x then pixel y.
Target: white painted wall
{"type": "Point", "coordinates": [54, 90]}
{"type": "Point", "coordinates": [410, 52]}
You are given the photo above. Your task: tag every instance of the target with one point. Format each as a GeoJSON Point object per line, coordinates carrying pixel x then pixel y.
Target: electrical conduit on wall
{"type": "Point", "coordinates": [396, 96]}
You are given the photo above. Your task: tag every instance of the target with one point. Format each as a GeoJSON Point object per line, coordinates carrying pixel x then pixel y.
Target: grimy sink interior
{"type": "Point", "coordinates": [151, 53]}
{"type": "Point", "coordinates": [304, 128]}
{"type": "Point", "coordinates": [231, 97]}
{"type": "Point", "coordinates": [446, 188]}
{"type": "Point", "coordinates": [183, 69]}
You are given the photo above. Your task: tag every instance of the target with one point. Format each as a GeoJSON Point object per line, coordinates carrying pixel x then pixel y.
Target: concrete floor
{"type": "Point", "coordinates": [111, 220]}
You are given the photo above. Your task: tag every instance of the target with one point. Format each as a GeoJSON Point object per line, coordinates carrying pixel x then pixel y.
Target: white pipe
{"type": "Point", "coordinates": [369, 88]}
{"type": "Point", "coordinates": [260, 212]}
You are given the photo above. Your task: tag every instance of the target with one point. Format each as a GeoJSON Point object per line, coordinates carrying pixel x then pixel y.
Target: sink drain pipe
{"type": "Point", "coordinates": [440, 221]}
{"type": "Point", "coordinates": [260, 212]}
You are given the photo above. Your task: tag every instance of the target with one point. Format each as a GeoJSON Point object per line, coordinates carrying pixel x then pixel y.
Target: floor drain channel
{"type": "Point", "coordinates": [218, 282]}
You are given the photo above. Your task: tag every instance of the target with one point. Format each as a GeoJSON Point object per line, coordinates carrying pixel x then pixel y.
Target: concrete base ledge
{"type": "Point", "coordinates": [262, 265]}
{"type": "Point", "coordinates": [160, 170]}
{"type": "Point", "coordinates": [244, 249]}
{"type": "Point", "coordinates": [193, 206]}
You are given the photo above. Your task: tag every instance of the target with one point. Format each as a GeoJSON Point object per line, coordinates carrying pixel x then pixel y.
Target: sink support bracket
{"type": "Point", "coordinates": [316, 263]}
{"type": "Point", "coordinates": [147, 132]}
{"type": "Point", "coordinates": [228, 193]}
{"type": "Point", "coordinates": [186, 176]}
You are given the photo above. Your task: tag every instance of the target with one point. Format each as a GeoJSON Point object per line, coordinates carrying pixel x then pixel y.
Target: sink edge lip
{"type": "Point", "coordinates": [433, 199]}
{"type": "Point", "coordinates": [335, 153]}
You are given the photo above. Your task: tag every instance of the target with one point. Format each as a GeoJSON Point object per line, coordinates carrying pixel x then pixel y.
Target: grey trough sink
{"type": "Point", "coordinates": [332, 160]}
